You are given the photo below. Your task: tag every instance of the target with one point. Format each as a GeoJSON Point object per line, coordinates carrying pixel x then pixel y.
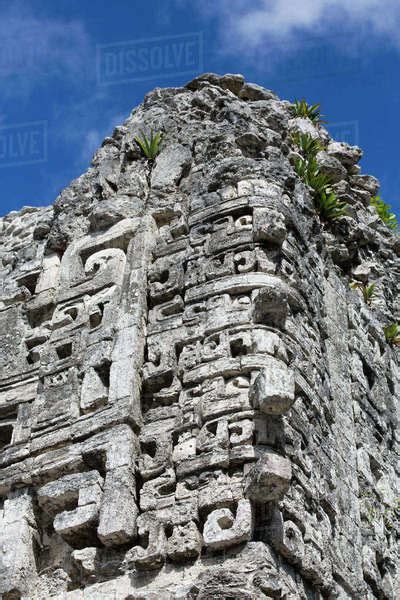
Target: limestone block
{"type": "Point", "coordinates": [331, 166]}
{"type": "Point", "coordinates": [95, 261]}
{"type": "Point", "coordinates": [170, 166]}
{"type": "Point", "coordinates": [229, 81]}
{"type": "Point", "coordinates": [245, 261]}
{"type": "Point", "coordinates": [271, 305]}
{"type": "Point", "coordinates": [269, 479]}
{"type": "Point", "coordinates": [117, 447]}
{"type": "Point", "coordinates": [155, 454]}
{"type": "Point", "coordinates": [76, 526]}
{"type": "Point", "coordinates": [269, 342]}
{"type": "Point", "coordinates": [86, 558]}
{"type": "Point", "coordinates": [110, 211]}
{"type": "Point", "coordinates": [19, 542]}
{"type": "Point", "coordinates": [185, 543]}
{"type": "Point", "coordinates": [50, 272]}
{"type": "Point", "coordinates": [166, 278]}
{"type": "Point", "coordinates": [158, 492]}
{"type": "Point", "coordinates": [316, 565]}
{"type": "Point", "coordinates": [241, 432]}
{"type": "Point", "coordinates": [12, 351]}
{"type": "Point", "coordinates": [118, 511]}
{"type": "Point", "coordinates": [50, 406]}
{"type": "Point", "coordinates": [346, 154]}
{"type": "Point", "coordinates": [213, 434]}
{"type": "Point", "coordinates": [82, 488]}
{"type": "Point", "coordinates": [366, 182]}
{"type": "Point", "coordinates": [223, 529]}
{"type": "Point", "coordinates": [185, 448]}
{"type": "Point", "coordinates": [98, 355]}
{"type": "Point", "coordinates": [153, 556]}
{"type": "Point", "coordinates": [273, 390]}
{"type": "Point", "coordinates": [305, 126]}
{"type": "Point", "coordinates": [94, 392]}
{"type": "Point", "coordinates": [216, 458]}
{"type": "Point", "coordinates": [269, 225]}
{"type": "Point", "coordinates": [73, 524]}
{"type": "Point", "coordinates": [286, 538]}
{"type": "Point", "coordinates": [252, 91]}
{"type": "Point", "coordinates": [235, 234]}
{"type": "Point", "coordinates": [126, 387]}
{"type": "Point", "coordinates": [221, 492]}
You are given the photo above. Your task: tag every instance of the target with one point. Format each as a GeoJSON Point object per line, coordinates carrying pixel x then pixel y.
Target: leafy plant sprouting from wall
{"type": "Point", "coordinates": [385, 212]}
{"type": "Point", "coordinates": [307, 168]}
{"type": "Point", "coordinates": [308, 111]}
{"type": "Point", "coordinates": [329, 206]}
{"type": "Point", "coordinates": [368, 291]}
{"type": "Point", "coordinates": [307, 145]}
{"type": "Point", "coordinates": [392, 334]}
{"type": "Point", "coordinates": [150, 146]}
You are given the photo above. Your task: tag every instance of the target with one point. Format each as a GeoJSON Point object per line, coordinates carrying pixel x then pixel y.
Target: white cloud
{"type": "Point", "coordinates": [35, 48]}
{"type": "Point", "coordinates": [250, 24]}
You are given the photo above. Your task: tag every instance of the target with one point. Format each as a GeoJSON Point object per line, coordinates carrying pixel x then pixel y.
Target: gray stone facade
{"type": "Point", "coordinates": [194, 403]}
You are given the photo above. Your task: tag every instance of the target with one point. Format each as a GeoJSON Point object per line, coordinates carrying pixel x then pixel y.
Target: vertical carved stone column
{"type": "Point", "coordinates": [19, 540]}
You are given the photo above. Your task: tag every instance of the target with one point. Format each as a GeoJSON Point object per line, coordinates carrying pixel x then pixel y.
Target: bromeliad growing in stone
{"type": "Point", "coordinates": [307, 145]}
{"type": "Point", "coordinates": [308, 111]}
{"type": "Point", "coordinates": [392, 334]}
{"type": "Point", "coordinates": [150, 146]}
{"type": "Point", "coordinates": [368, 291]}
{"type": "Point", "coordinates": [385, 213]}
{"type": "Point", "coordinates": [329, 206]}
{"type": "Point", "coordinates": [307, 168]}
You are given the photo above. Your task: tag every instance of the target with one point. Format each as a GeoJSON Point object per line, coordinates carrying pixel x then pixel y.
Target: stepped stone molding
{"type": "Point", "coordinates": [194, 403]}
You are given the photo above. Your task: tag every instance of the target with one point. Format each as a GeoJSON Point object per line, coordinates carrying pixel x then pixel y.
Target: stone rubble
{"type": "Point", "coordinates": [194, 403]}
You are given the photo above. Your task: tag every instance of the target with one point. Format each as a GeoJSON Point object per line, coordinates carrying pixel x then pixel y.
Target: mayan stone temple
{"type": "Point", "coordinates": [198, 397]}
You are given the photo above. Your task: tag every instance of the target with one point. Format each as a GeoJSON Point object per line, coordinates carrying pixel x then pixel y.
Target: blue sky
{"type": "Point", "coordinates": [71, 70]}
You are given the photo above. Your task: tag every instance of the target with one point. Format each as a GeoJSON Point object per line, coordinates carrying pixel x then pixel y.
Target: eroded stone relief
{"type": "Point", "coordinates": [193, 402]}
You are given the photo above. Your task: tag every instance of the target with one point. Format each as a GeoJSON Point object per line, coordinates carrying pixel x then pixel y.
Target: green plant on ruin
{"type": "Point", "coordinates": [368, 291]}
{"type": "Point", "coordinates": [319, 181]}
{"type": "Point", "coordinates": [306, 166]}
{"type": "Point", "coordinates": [392, 334]}
{"type": "Point", "coordinates": [329, 206]}
{"type": "Point", "coordinates": [385, 213]}
{"type": "Point", "coordinates": [308, 111]}
{"type": "Point", "coordinates": [307, 145]}
{"type": "Point", "coordinates": [150, 146]}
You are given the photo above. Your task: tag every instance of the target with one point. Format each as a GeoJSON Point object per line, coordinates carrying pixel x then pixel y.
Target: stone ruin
{"type": "Point", "coordinates": [194, 403]}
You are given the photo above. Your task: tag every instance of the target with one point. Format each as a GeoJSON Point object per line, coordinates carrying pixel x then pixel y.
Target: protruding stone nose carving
{"type": "Point", "coordinates": [273, 389]}
{"type": "Point", "coordinates": [269, 479]}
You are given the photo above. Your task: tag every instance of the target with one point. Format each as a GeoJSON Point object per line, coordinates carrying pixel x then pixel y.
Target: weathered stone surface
{"type": "Point", "coordinates": [223, 529]}
{"type": "Point", "coordinates": [185, 543]}
{"type": "Point", "coordinates": [273, 389]}
{"type": "Point", "coordinates": [269, 479]}
{"type": "Point", "coordinates": [346, 154]}
{"type": "Point", "coordinates": [194, 403]}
